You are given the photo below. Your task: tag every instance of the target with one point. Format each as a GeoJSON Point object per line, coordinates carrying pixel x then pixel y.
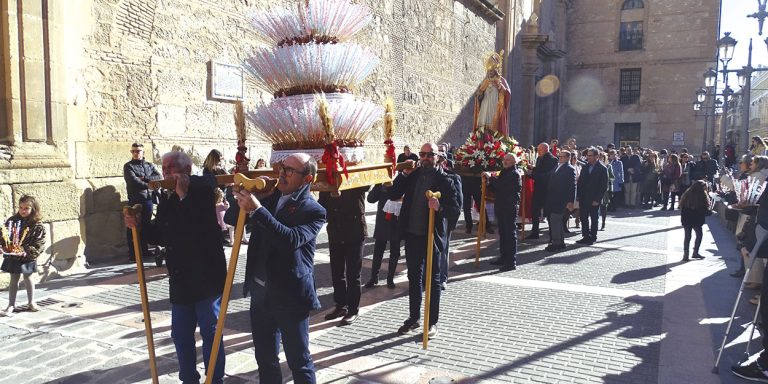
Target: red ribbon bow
{"type": "Point", "coordinates": [391, 151]}
{"type": "Point", "coordinates": [332, 157]}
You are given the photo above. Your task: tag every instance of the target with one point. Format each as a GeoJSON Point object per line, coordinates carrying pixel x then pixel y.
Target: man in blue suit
{"type": "Point", "coordinates": [590, 189]}
{"type": "Point", "coordinates": [562, 194]}
{"type": "Point", "coordinates": [279, 273]}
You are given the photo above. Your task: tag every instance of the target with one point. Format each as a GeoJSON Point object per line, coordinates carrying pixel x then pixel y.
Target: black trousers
{"type": "Point", "coordinates": [146, 217]}
{"type": "Point", "coordinates": [508, 239]}
{"type": "Point", "coordinates": [415, 257]}
{"type": "Point", "coordinates": [394, 255]}
{"type": "Point", "coordinates": [587, 213]}
{"type": "Point", "coordinates": [687, 239]}
{"type": "Point", "coordinates": [346, 263]}
{"type": "Point", "coordinates": [470, 189]}
{"type": "Point", "coordinates": [537, 206]}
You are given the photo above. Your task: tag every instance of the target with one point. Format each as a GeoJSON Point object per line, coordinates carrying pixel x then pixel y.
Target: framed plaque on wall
{"type": "Point", "coordinates": [225, 81]}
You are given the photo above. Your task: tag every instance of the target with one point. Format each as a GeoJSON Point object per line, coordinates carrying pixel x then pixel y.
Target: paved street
{"type": "Point", "coordinates": [625, 310]}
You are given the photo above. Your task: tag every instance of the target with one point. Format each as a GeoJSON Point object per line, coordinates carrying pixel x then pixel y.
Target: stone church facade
{"type": "Point", "coordinates": [83, 79]}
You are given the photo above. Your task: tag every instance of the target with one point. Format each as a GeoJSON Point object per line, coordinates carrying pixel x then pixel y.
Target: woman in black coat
{"type": "Point", "coordinates": [384, 232]}
{"type": "Point", "coordinates": [694, 208]}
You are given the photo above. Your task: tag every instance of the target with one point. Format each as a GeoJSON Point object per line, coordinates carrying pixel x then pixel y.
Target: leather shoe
{"type": "Point", "coordinates": [390, 284]}
{"type": "Point", "coordinates": [338, 312]}
{"type": "Point", "coordinates": [489, 230]}
{"type": "Point", "coordinates": [507, 268]}
{"type": "Point", "coordinates": [554, 248]}
{"type": "Point", "coordinates": [468, 230]}
{"type": "Point", "coordinates": [697, 256]}
{"type": "Point", "coordinates": [497, 261]}
{"type": "Point", "coordinates": [532, 236]}
{"type": "Point", "coordinates": [349, 319]}
{"type": "Point", "coordinates": [371, 283]}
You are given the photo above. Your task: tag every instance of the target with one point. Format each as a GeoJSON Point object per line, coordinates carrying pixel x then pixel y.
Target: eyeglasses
{"type": "Point", "coordinates": [289, 171]}
{"type": "Point", "coordinates": [426, 154]}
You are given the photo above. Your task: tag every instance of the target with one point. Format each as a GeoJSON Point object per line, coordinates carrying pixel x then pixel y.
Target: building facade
{"type": "Point", "coordinates": [632, 66]}
{"type": "Point", "coordinates": [83, 79]}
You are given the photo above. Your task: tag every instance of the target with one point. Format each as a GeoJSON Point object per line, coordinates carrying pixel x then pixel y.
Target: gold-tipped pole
{"type": "Point", "coordinates": [481, 223]}
{"type": "Point", "coordinates": [136, 211]}
{"type": "Point", "coordinates": [428, 289]}
{"type": "Point", "coordinates": [252, 185]}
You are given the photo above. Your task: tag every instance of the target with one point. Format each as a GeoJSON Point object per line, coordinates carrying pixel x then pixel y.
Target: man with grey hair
{"type": "Point", "coordinates": [545, 163]}
{"type": "Point", "coordinates": [590, 190]}
{"type": "Point", "coordinates": [279, 273]}
{"type": "Point", "coordinates": [186, 224]}
{"type": "Point", "coordinates": [562, 182]}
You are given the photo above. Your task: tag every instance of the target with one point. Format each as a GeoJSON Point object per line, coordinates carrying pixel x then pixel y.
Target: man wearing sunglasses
{"type": "Point", "coordinates": [137, 174]}
{"type": "Point", "coordinates": [412, 186]}
{"type": "Point", "coordinates": [279, 273]}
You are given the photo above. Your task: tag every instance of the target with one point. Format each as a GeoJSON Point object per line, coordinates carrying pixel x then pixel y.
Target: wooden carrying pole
{"type": "Point", "coordinates": [481, 223]}
{"type": "Point", "coordinates": [136, 212]}
{"type": "Point", "coordinates": [252, 185]}
{"type": "Point", "coordinates": [523, 208]}
{"type": "Point", "coordinates": [428, 289]}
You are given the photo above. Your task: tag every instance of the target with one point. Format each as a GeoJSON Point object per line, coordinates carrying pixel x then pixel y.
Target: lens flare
{"type": "Point", "coordinates": [585, 94]}
{"type": "Point", "coordinates": [548, 85]}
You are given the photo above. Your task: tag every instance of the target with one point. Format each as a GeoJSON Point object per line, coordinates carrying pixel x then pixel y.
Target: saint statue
{"type": "Point", "coordinates": [492, 98]}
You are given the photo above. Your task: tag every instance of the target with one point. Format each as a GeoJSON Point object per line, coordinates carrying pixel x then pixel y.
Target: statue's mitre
{"type": "Point", "coordinates": [494, 60]}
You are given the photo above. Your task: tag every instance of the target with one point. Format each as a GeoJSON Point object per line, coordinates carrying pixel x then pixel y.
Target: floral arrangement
{"type": "Point", "coordinates": [484, 151]}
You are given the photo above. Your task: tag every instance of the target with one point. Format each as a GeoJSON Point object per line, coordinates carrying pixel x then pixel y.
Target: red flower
{"type": "Point", "coordinates": [488, 137]}
{"type": "Point", "coordinates": [488, 151]}
{"type": "Point", "coordinates": [492, 162]}
{"type": "Point", "coordinates": [470, 150]}
{"type": "Point", "coordinates": [459, 156]}
{"type": "Point", "coordinates": [474, 137]}
{"type": "Point", "coordinates": [496, 145]}
{"type": "Point", "coordinates": [500, 154]}
{"type": "Point", "coordinates": [465, 162]}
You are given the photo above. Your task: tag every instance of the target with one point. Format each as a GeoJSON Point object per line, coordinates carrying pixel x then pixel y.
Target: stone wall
{"type": "Point", "coordinates": [137, 71]}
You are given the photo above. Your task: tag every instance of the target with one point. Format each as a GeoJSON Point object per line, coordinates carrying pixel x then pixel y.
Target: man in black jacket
{"type": "Point", "coordinates": [347, 230]}
{"type": "Point", "coordinates": [412, 186]}
{"type": "Point", "coordinates": [137, 174]}
{"type": "Point", "coordinates": [186, 224]}
{"type": "Point", "coordinates": [545, 163]}
{"type": "Point", "coordinates": [590, 189]}
{"type": "Point", "coordinates": [453, 219]}
{"type": "Point", "coordinates": [386, 231]}
{"type": "Point", "coordinates": [506, 187]}
{"type": "Point", "coordinates": [562, 183]}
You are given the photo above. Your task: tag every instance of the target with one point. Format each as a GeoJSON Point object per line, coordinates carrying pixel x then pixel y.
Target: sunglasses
{"type": "Point", "coordinates": [426, 154]}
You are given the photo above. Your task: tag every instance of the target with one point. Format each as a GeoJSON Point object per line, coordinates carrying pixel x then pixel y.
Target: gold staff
{"type": "Point", "coordinates": [136, 212]}
{"type": "Point", "coordinates": [253, 185]}
{"type": "Point", "coordinates": [481, 223]}
{"type": "Point", "coordinates": [428, 289]}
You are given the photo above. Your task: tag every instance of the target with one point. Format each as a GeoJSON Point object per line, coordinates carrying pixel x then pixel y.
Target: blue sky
{"type": "Point", "coordinates": [735, 20]}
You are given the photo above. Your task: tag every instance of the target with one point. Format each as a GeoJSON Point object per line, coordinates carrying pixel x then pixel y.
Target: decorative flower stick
{"type": "Point", "coordinates": [23, 235]}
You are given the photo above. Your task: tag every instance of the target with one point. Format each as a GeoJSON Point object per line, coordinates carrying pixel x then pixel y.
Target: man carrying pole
{"type": "Point", "coordinates": [412, 185]}
{"type": "Point", "coordinates": [279, 273]}
{"type": "Point", "coordinates": [186, 224]}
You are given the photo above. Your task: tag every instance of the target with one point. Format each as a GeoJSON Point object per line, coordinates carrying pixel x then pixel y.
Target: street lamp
{"type": "Point", "coordinates": [718, 106]}
{"type": "Point", "coordinates": [696, 106]}
{"type": "Point", "coordinates": [701, 95]}
{"type": "Point", "coordinates": [710, 76]}
{"type": "Point", "coordinates": [725, 47]}
{"type": "Point", "coordinates": [742, 75]}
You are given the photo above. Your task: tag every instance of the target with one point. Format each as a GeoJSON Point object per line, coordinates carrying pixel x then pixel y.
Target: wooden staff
{"type": "Point", "coordinates": [220, 179]}
{"type": "Point", "coordinates": [522, 207]}
{"type": "Point", "coordinates": [428, 289]}
{"type": "Point", "coordinates": [481, 223]}
{"type": "Point", "coordinates": [253, 185]}
{"type": "Point", "coordinates": [136, 212]}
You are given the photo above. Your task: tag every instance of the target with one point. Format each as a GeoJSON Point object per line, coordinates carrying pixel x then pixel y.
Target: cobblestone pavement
{"type": "Point", "coordinates": [625, 310]}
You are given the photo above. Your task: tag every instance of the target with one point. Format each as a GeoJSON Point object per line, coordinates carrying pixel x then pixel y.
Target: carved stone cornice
{"type": "Point", "coordinates": [532, 41]}
{"type": "Point", "coordinates": [485, 9]}
{"type": "Point", "coordinates": [549, 51]}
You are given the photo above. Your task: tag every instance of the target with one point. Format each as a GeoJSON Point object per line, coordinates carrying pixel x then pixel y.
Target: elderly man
{"type": "Point", "coordinates": [279, 273]}
{"type": "Point", "coordinates": [562, 182]}
{"type": "Point", "coordinates": [137, 174]}
{"type": "Point", "coordinates": [506, 187]}
{"type": "Point", "coordinates": [412, 186]}
{"type": "Point", "coordinates": [186, 224]}
{"type": "Point", "coordinates": [590, 189]}
{"type": "Point", "coordinates": [545, 163]}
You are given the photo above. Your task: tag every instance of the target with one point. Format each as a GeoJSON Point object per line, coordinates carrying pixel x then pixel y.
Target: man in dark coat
{"type": "Point", "coordinates": [186, 224]}
{"type": "Point", "coordinates": [545, 163]}
{"type": "Point", "coordinates": [590, 190]}
{"type": "Point", "coordinates": [471, 191]}
{"type": "Point", "coordinates": [279, 273]}
{"type": "Point", "coordinates": [706, 169]}
{"type": "Point", "coordinates": [137, 174]}
{"type": "Point", "coordinates": [407, 155]}
{"type": "Point", "coordinates": [452, 219]}
{"type": "Point", "coordinates": [412, 186]}
{"type": "Point", "coordinates": [386, 231]}
{"type": "Point", "coordinates": [506, 187]}
{"type": "Point", "coordinates": [633, 177]}
{"type": "Point", "coordinates": [347, 230]}
{"type": "Point", "coordinates": [562, 184]}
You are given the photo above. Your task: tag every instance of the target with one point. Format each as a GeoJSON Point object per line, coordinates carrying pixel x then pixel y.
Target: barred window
{"type": "Point", "coordinates": [632, 4]}
{"type": "Point", "coordinates": [629, 86]}
{"type": "Point", "coordinates": [631, 36]}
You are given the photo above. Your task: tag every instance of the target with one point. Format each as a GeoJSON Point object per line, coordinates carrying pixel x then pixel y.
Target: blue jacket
{"type": "Point", "coordinates": [618, 174]}
{"type": "Point", "coordinates": [282, 251]}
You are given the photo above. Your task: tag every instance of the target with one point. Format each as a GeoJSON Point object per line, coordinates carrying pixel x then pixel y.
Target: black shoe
{"type": "Point", "coordinates": [738, 273]}
{"type": "Point", "coordinates": [443, 285]}
{"type": "Point", "coordinates": [349, 319]}
{"type": "Point", "coordinates": [372, 283]}
{"type": "Point", "coordinates": [507, 268]}
{"type": "Point", "coordinates": [697, 256]}
{"type": "Point", "coordinates": [497, 261]}
{"type": "Point", "coordinates": [468, 230]}
{"type": "Point", "coordinates": [752, 372]}
{"type": "Point", "coordinates": [584, 240]}
{"type": "Point", "coordinates": [390, 284]}
{"type": "Point", "coordinates": [338, 312]}
{"type": "Point", "coordinates": [555, 248]}
{"type": "Point", "coordinates": [408, 327]}
{"type": "Point", "coordinates": [532, 236]}
{"type": "Point", "coordinates": [602, 228]}
{"type": "Point", "coordinates": [664, 208]}
{"type": "Point", "coordinates": [566, 230]}
{"type": "Point", "coordinates": [489, 230]}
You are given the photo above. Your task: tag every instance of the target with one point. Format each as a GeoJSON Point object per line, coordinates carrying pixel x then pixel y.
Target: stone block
{"type": "Point", "coordinates": [7, 205]}
{"type": "Point", "coordinates": [171, 119]}
{"type": "Point", "coordinates": [59, 201]}
{"type": "Point", "coordinates": [101, 159]}
{"type": "Point", "coordinates": [105, 235]}
{"type": "Point", "coordinates": [66, 240]}
{"type": "Point", "coordinates": [109, 194]}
